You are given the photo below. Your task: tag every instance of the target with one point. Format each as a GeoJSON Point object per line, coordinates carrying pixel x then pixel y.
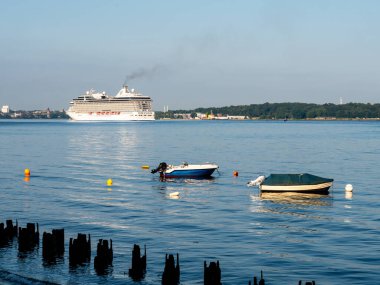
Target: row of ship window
{"type": "Point", "coordinates": [121, 108]}
{"type": "Point", "coordinates": [107, 113]}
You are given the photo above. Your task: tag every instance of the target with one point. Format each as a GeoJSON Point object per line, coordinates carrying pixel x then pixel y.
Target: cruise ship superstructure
{"type": "Point", "coordinates": [127, 105]}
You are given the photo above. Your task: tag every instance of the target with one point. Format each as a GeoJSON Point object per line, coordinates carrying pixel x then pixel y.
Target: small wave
{"type": "Point", "coordinates": [9, 278]}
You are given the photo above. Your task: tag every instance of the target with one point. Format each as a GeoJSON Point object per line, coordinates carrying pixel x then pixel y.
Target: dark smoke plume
{"type": "Point", "coordinates": [144, 72]}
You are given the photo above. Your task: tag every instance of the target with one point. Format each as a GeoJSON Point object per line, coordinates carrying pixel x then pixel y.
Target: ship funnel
{"type": "Point", "coordinates": [125, 85]}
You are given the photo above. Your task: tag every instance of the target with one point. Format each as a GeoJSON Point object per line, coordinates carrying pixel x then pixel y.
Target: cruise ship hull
{"type": "Point", "coordinates": [111, 116]}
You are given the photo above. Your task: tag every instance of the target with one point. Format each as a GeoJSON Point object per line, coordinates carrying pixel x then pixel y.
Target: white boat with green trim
{"type": "Point", "coordinates": [301, 183]}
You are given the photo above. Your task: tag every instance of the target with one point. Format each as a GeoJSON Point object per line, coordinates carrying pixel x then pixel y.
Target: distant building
{"type": "Point", "coordinates": [42, 113]}
{"type": "Point", "coordinates": [221, 117]}
{"type": "Point", "coordinates": [5, 109]}
{"type": "Point", "coordinates": [211, 116]}
{"type": "Point", "coordinates": [236, 117]}
{"type": "Point", "coordinates": [16, 115]}
{"type": "Point", "coordinates": [201, 116]}
{"type": "Point", "coordinates": [183, 116]}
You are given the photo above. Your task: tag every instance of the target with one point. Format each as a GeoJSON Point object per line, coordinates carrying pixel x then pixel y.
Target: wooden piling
{"type": "Point", "coordinates": [53, 244]}
{"type": "Point", "coordinates": [171, 274]}
{"type": "Point", "coordinates": [59, 235]}
{"type": "Point", "coordinates": [49, 245]}
{"type": "Point", "coordinates": [10, 230]}
{"type": "Point", "coordinates": [79, 250]}
{"type": "Point", "coordinates": [254, 281]}
{"type": "Point", "coordinates": [3, 237]}
{"type": "Point", "coordinates": [28, 237]}
{"type": "Point", "coordinates": [7, 232]}
{"type": "Point", "coordinates": [212, 274]}
{"type": "Point", "coordinates": [104, 256]}
{"type": "Point", "coordinates": [262, 281]}
{"type": "Point", "coordinates": [138, 269]}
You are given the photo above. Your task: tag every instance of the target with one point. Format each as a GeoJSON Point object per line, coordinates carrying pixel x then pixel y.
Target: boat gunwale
{"type": "Point", "coordinates": [305, 188]}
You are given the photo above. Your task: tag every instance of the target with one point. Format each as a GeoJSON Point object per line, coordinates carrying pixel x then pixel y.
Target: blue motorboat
{"type": "Point", "coordinates": [185, 170]}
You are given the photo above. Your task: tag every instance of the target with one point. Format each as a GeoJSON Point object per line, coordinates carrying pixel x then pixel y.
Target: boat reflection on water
{"type": "Point", "coordinates": [189, 189]}
{"type": "Point", "coordinates": [200, 180]}
{"type": "Point", "coordinates": [307, 199]}
{"type": "Point", "coordinates": [290, 204]}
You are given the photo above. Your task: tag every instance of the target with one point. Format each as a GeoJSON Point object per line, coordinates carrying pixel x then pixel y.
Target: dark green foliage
{"type": "Point", "coordinates": [296, 111]}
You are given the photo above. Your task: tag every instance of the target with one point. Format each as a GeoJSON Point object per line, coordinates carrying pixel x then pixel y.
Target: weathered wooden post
{"type": "Point", "coordinates": [262, 281]}
{"type": "Point", "coordinates": [3, 237]}
{"type": "Point", "coordinates": [212, 274]}
{"type": "Point", "coordinates": [7, 233]}
{"type": "Point", "coordinates": [79, 250]}
{"type": "Point", "coordinates": [28, 237]}
{"type": "Point", "coordinates": [10, 230]}
{"type": "Point", "coordinates": [171, 272]}
{"type": "Point", "coordinates": [49, 245]}
{"type": "Point", "coordinates": [53, 244]}
{"type": "Point", "coordinates": [104, 256]}
{"type": "Point", "coordinates": [138, 269]}
{"type": "Point", "coordinates": [59, 235]}
{"type": "Point", "coordinates": [254, 281]}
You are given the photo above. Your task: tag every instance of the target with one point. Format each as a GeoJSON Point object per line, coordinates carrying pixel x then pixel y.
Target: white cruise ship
{"type": "Point", "coordinates": [127, 105]}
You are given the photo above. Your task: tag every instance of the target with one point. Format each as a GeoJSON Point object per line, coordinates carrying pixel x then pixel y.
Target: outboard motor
{"type": "Point", "coordinates": [257, 182]}
{"type": "Point", "coordinates": [161, 168]}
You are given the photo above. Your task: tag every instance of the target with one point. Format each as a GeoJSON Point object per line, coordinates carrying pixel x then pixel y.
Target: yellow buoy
{"type": "Point", "coordinates": [109, 182]}
{"type": "Point", "coordinates": [27, 172]}
{"type": "Point", "coordinates": [145, 167]}
{"type": "Point", "coordinates": [235, 173]}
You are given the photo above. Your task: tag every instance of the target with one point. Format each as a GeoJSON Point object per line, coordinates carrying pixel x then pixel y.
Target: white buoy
{"type": "Point", "coordinates": [349, 188]}
{"type": "Point", "coordinates": [174, 195]}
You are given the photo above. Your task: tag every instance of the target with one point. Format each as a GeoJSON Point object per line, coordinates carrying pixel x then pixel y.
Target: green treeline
{"type": "Point", "coordinates": [290, 111]}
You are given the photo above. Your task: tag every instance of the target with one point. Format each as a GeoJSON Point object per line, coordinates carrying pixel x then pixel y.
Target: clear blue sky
{"type": "Point", "coordinates": [188, 54]}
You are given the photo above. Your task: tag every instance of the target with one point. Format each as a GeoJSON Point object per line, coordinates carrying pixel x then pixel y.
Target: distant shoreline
{"type": "Point", "coordinates": [259, 119]}
{"type": "Point", "coordinates": [235, 120]}
{"type": "Point", "coordinates": [266, 111]}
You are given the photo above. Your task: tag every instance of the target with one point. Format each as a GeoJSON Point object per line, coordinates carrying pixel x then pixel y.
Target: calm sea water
{"type": "Point", "coordinates": [332, 239]}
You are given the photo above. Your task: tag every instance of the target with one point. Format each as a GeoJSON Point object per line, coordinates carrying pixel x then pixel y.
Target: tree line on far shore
{"type": "Point", "coordinates": [297, 111]}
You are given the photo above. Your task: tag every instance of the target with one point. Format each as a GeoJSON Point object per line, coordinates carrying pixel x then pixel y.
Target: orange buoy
{"type": "Point", "coordinates": [235, 173]}
{"type": "Point", "coordinates": [27, 172]}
